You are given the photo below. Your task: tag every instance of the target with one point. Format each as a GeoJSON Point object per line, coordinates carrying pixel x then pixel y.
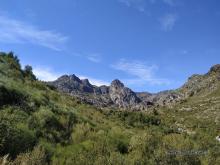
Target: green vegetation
{"type": "Point", "coordinates": [39, 125]}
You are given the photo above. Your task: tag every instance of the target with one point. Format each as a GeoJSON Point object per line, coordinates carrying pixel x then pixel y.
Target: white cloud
{"type": "Point", "coordinates": [168, 21]}
{"type": "Point", "coordinates": [47, 74]}
{"type": "Point", "coordinates": [143, 73]}
{"type": "Point", "coordinates": [94, 58]}
{"type": "Point", "coordinates": [15, 31]}
{"type": "Point", "coordinates": [142, 4]}
{"type": "Point", "coordinates": [94, 81]}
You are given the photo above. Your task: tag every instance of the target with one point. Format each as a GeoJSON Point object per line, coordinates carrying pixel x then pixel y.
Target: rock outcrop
{"type": "Point", "coordinates": [117, 95]}
{"type": "Point", "coordinates": [72, 84]}
{"type": "Point", "coordinates": [215, 69]}
{"type": "Point", "coordinates": [123, 96]}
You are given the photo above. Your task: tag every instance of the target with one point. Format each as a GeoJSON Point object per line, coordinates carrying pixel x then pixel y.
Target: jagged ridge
{"type": "Point", "coordinates": [117, 95]}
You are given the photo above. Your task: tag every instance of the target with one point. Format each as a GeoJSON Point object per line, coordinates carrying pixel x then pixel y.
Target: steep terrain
{"type": "Point", "coordinates": [118, 96]}
{"type": "Point", "coordinates": [40, 125]}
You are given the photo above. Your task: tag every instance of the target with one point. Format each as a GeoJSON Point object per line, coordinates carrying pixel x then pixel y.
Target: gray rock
{"type": "Point", "coordinates": [117, 95]}
{"type": "Point", "coordinates": [215, 69]}
{"type": "Point", "coordinates": [122, 96]}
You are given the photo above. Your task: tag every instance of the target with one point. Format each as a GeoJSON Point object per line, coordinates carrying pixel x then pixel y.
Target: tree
{"type": "Point", "coordinates": [28, 72]}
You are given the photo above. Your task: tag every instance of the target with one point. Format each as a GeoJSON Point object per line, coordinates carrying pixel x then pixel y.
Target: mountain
{"type": "Point", "coordinates": [41, 125]}
{"type": "Point", "coordinates": [117, 95]}
{"type": "Point", "coordinates": [202, 84]}
{"type": "Point", "coordinates": [123, 96]}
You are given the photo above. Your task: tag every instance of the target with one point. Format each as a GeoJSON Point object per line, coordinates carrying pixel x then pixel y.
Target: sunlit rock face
{"type": "Point", "coordinates": [122, 96]}
{"type": "Point", "coordinates": [119, 96]}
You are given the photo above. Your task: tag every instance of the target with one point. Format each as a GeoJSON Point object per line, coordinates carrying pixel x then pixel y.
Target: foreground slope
{"type": "Point", "coordinates": [39, 125]}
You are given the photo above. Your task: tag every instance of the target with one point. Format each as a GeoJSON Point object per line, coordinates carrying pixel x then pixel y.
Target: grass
{"type": "Point", "coordinates": [42, 126]}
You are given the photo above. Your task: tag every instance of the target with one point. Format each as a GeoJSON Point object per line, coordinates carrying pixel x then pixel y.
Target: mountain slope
{"type": "Point", "coordinates": [40, 125]}
{"type": "Point", "coordinates": [118, 96]}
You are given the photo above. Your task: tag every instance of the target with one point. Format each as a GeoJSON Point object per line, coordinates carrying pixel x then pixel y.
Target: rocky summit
{"type": "Point", "coordinates": [123, 96]}
{"type": "Point", "coordinates": [115, 95]}
{"type": "Point", "coordinates": [119, 96]}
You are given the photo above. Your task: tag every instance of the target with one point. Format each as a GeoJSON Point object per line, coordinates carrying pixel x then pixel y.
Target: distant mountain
{"type": "Point", "coordinates": [117, 95]}
{"type": "Point", "coordinates": [202, 84]}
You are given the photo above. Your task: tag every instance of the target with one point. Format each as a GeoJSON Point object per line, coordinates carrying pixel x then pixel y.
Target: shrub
{"type": "Point", "coordinates": [11, 65]}
{"type": "Point", "coordinates": [36, 157]}
{"type": "Point", "coordinates": [11, 96]}
{"type": "Point", "coordinates": [28, 73]}
{"type": "Point", "coordinates": [15, 140]}
{"type": "Point", "coordinates": [46, 124]}
{"type": "Point", "coordinates": [53, 124]}
{"type": "Point", "coordinates": [81, 132]}
{"type": "Point", "coordinates": [122, 147]}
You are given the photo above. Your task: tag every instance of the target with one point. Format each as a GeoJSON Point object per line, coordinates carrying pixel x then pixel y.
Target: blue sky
{"type": "Point", "coordinates": [151, 45]}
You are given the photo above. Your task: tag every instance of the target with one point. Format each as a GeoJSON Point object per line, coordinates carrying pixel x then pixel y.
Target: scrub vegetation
{"type": "Point", "coordinates": [39, 125]}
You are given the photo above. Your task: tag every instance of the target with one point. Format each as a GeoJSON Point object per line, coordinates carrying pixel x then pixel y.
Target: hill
{"type": "Point", "coordinates": [118, 96]}
{"type": "Point", "coordinates": [41, 125]}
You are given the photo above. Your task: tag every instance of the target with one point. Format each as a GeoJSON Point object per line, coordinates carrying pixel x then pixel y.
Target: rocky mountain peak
{"type": "Point", "coordinates": [122, 96]}
{"type": "Point", "coordinates": [117, 83]}
{"type": "Point", "coordinates": [64, 77]}
{"type": "Point", "coordinates": [215, 69]}
{"type": "Point", "coordinates": [86, 82]}
{"type": "Point", "coordinates": [73, 77]}
{"type": "Point", "coordinates": [118, 95]}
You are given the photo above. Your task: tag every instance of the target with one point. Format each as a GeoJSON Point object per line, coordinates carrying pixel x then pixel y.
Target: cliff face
{"type": "Point", "coordinates": [115, 95]}
{"type": "Point", "coordinates": [123, 96]}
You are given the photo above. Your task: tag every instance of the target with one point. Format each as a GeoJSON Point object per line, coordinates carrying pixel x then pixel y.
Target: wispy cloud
{"type": "Point", "coordinates": [142, 4]}
{"type": "Point", "coordinates": [48, 74]}
{"type": "Point", "coordinates": [137, 4]}
{"type": "Point", "coordinates": [168, 21]}
{"type": "Point", "coordinates": [45, 74]}
{"type": "Point", "coordinates": [94, 81]}
{"type": "Point", "coordinates": [169, 2]}
{"type": "Point", "coordinates": [16, 31]}
{"type": "Point", "coordinates": [141, 72]}
{"type": "Point", "coordinates": [94, 58]}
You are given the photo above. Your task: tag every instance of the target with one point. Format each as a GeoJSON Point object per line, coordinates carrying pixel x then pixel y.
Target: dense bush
{"type": "Point", "coordinates": [39, 125]}
{"type": "Point", "coordinates": [10, 65]}
{"type": "Point", "coordinates": [14, 140]}
{"type": "Point", "coordinates": [137, 119]}
{"type": "Point", "coordinates": [10, 96]}
{"type": "Point", "coordinates": [28, 73]}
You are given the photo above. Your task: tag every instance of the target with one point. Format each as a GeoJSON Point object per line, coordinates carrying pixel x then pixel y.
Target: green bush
{"type": "Point", "coordinates": [46, 124]}
{"type": "Point", "coordinates": [52, 124]}
{"type": "Point", "coordinates": [15, 140]}
{"type": "Point", "coordinates": [28, 73]}
{"type": "Point", "coordinates": [11, 65]}
{"type": "Point", "coordinates": [11, 97]}
{"type": "Point", "coordinates": [39, 125]}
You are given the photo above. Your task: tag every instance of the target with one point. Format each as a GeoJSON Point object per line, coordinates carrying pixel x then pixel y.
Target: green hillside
{"type": "Point", "coordinates": [39, 125]}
